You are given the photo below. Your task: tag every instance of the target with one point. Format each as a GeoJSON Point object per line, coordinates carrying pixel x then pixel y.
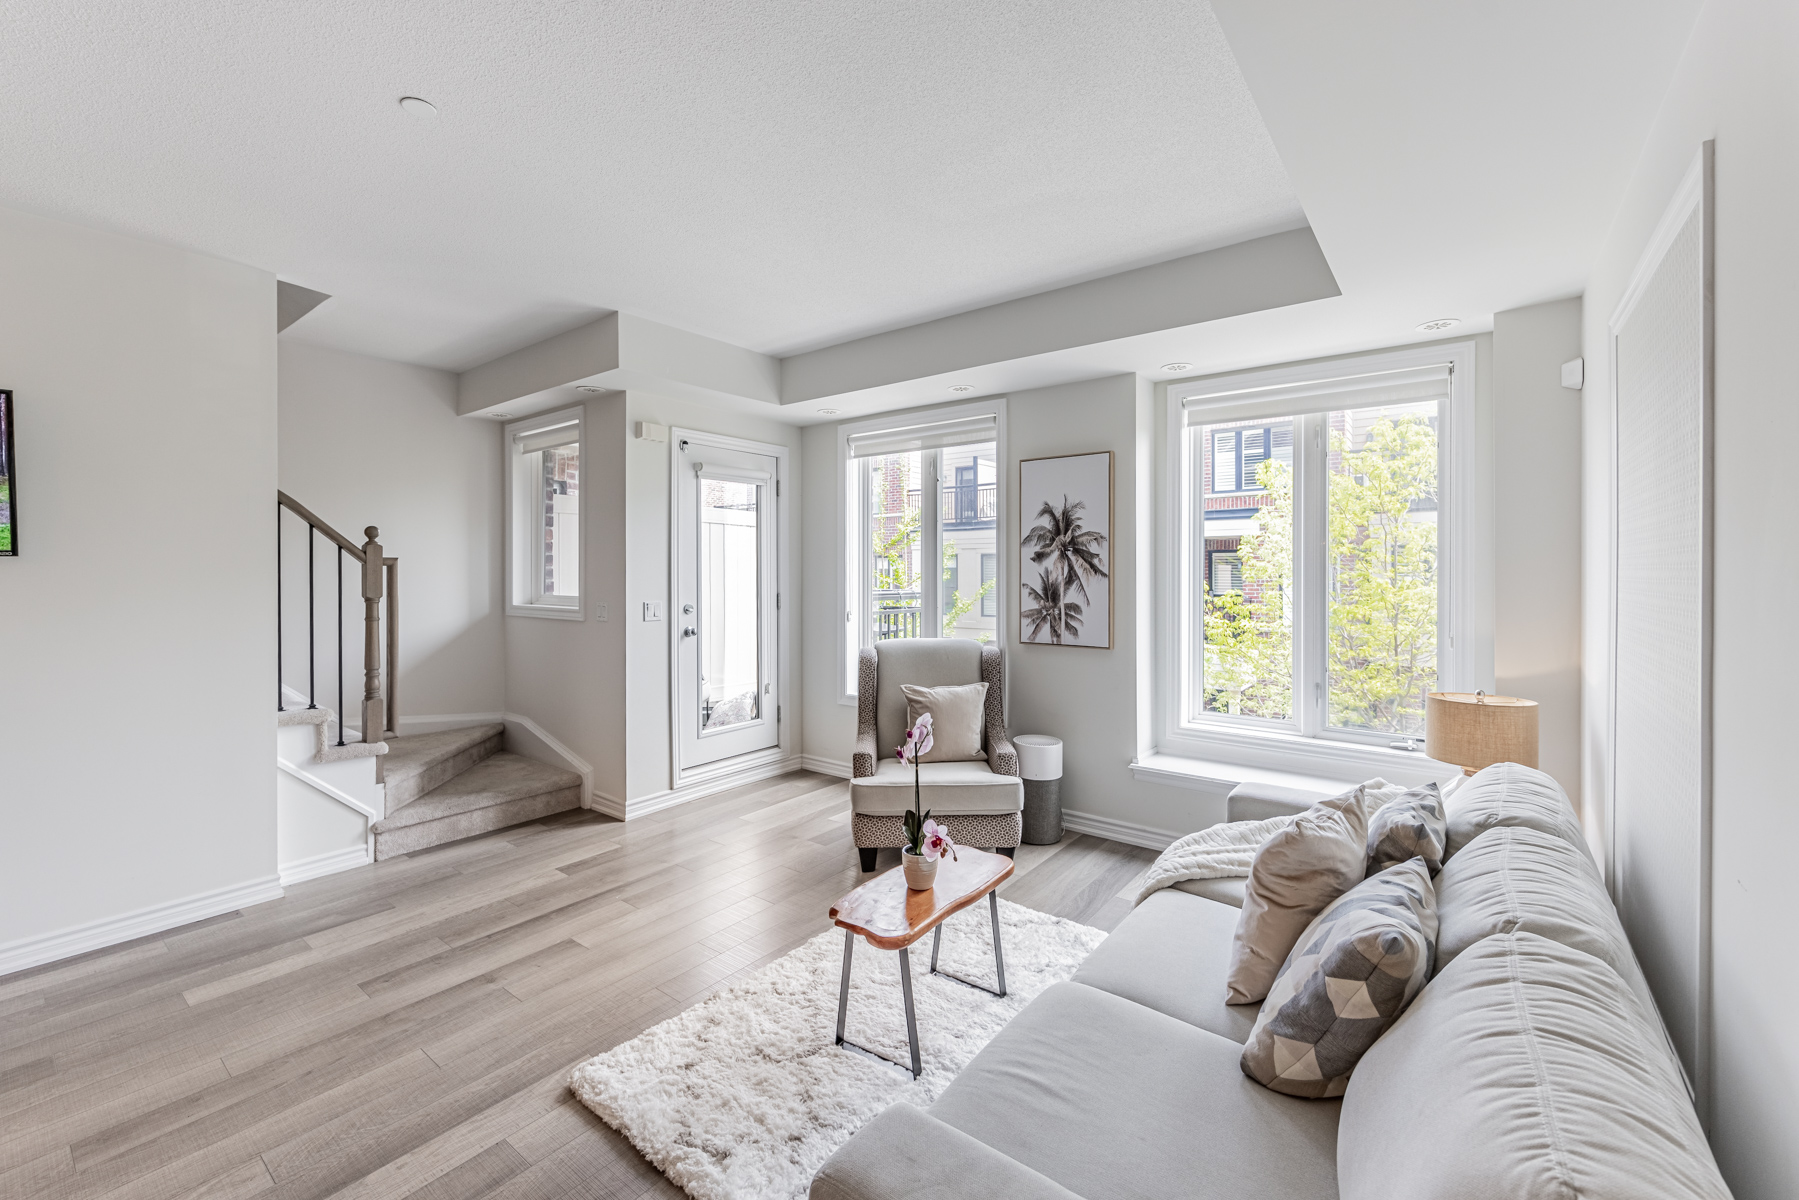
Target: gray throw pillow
{"type": "Point", "coordinates": [1412, 826]}
{"type": "Point", "coordinates": [958, 712]}
{"type": "Point", "coordinates": [1351, 974]}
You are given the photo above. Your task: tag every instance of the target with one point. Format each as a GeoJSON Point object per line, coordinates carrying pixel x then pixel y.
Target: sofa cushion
{"type": "Point", "coordinates": [930, 662]}
{"type": "Point", "coordinates": [1169, 954]}
{"type": "Point", "coordinates": [905, 1154]}
{"type": "Point", "coordinates": [1353, 972]}
{"type": "Point", "coordinates": [1224, 891]}
{"type": "Point", "coordinates": [1295, 873]}
{"type": "Point", "coordinates": [965, 788]}
{"type": "Point", "coordinates": [1508, 794]}
{"type": "Point", "coordinates": [958, 716]}
{"type": "Point", "coordinates": [1115, 1101]}
{"type": "Point", "coordinates": [1525, 1070]}
{"type": "Point", "coordinates": [1413, 826]}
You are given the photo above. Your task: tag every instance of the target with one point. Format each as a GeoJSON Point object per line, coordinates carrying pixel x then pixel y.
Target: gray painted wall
{"type": "Point", "coordinates": [1735, 84]}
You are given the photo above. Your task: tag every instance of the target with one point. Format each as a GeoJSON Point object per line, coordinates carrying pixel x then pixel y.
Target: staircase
{"type": "Point", "coordinates": [458, 783]}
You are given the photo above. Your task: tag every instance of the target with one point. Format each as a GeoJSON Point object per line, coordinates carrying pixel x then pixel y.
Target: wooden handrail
{"type": "Point", "coordinates": [311, 518]}
{"type": "Point", "coordinates": [380, 585]}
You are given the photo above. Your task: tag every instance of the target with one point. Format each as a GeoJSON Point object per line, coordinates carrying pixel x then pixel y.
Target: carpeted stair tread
{"type": "Point", "coordinates": [421, 762]}
{"type": "Point", "coordinates": [498, 779]}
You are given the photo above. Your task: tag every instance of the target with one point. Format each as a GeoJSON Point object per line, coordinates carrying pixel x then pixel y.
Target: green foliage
{"type": "Point", "coordinates": [964, 602]}
{"type": "Point", "coordinates": [1381, 618]}
{"type": "Point", "coordinates": [1382, 632]}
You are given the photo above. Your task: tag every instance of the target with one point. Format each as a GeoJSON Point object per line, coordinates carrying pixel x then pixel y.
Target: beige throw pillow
{"type": "Point", "coordinates": [957, 715]}
{"type": "Point", "coordinates": [1295, 874]}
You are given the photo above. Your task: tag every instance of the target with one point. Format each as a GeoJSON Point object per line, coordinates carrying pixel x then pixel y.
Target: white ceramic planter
{"type": "Point", "coordinates": [921, 873]}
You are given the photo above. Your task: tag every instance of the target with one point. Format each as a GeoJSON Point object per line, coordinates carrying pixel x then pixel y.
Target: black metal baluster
{"type": "Point", "coordinates": [340, 645]}
{"type": "Point", "coordinates": [280, 691]}
{"type": "Point", "coordinates": [312, 655]}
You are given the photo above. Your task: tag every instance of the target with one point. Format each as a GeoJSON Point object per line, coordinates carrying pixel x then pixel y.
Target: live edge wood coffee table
{"type": "Point", "coordinates": [892, 916]}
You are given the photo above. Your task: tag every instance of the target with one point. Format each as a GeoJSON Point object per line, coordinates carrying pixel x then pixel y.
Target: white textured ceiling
{"type": "Point", "coordinates": [781, 174]}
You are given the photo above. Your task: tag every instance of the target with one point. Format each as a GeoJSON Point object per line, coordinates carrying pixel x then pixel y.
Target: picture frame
{"type": "Point", "coordinates": [1066, 588]}
{"type": "Point", "coordinates": [9, 481]}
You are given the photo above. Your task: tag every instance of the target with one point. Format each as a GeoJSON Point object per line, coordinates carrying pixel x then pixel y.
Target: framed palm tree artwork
{"type": "Point", "coordinates": [1065, 551]}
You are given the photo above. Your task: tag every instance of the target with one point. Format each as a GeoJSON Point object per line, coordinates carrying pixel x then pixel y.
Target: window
{"type": "Point", "coordinates": [544, 515]}
{"type": "Point", "coordinates": [922, 521]}
{"type": "Point", "coordinates": [1316, 596]}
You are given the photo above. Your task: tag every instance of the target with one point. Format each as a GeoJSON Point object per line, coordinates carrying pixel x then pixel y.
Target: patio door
{"type": "Point", "coordinates": [726, 656]}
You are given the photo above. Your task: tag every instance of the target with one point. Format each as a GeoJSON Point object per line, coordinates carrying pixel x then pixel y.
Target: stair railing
{"type": "Point", "coordinates": [380, 582]}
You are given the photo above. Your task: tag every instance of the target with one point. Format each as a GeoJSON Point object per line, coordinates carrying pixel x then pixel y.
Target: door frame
{"type": "Point", "coordinates": [786, 603]}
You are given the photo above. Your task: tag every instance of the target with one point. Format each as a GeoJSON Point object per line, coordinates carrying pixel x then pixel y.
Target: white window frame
{"type": "Point", "coordinates": [1464, 656]}
{"type": "Point", "coordinates": [852, 527]}
{"type": "Point", "coordinates": [524, 521]}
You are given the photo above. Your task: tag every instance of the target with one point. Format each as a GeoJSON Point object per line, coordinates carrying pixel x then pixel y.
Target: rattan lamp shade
{"type": "Point", "coordinates": [1473, 730]}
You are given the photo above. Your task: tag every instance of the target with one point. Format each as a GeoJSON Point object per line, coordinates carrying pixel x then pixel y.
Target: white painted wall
{"type": "Point", "coordinates": [137, 713]}
{"type": "Point", "coordinates": [600, 686]}
{"type": "Point", "coordinates": [1537, 462]}
{"type": "Point", "coordinates": [1736, 84]}
{"type": "Point", "coordinates": [366, 442]}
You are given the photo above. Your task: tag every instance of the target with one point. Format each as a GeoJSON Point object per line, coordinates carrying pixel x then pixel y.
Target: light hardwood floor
{"type": "Point", "coordinates": [404, 1029]}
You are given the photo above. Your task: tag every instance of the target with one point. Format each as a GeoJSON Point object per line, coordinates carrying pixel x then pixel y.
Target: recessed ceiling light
{"type": "Point", "coordinates": [961, 387]}
{"type": "Point", "coordinates": [829, 412]}
{"type": "Point", "coordinates": [418, 106]}
{"type": "Point", "coordinates": [500, 416]}
{"type": "Point", "coordinates": [589, 388]}
{"type": "Point", "coordinates": [1177, 368]}
{"type": "Point", "coordinates": [1441, 323]}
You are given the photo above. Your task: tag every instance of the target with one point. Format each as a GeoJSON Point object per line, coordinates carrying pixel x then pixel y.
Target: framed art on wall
{"type": "Point", "coordinates": [1065, 553]}
{"type": "Point", "coordinates": [9, 501]}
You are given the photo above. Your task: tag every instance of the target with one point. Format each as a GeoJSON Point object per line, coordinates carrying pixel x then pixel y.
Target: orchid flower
{"type": "Point", "coordinates": [934, 842]}
{"type": "Point", "coordinates": [917, 744]}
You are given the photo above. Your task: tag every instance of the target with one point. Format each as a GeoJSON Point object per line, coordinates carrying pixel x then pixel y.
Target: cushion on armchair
{"type": "Point", "coordinates": [950, 789]}
{"type": "Point", "coordinates": [958, 717]}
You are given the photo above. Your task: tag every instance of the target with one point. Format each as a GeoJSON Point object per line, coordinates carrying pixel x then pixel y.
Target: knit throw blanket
{"type": "Point", "coordinates": [1226, 851]}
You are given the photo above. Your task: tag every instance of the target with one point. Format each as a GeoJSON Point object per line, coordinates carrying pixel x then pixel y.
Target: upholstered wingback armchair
{"type": "Point", "coordinates": [981, 802]}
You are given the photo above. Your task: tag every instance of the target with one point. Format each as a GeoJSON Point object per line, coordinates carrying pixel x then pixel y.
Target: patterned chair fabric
{"type": "Point", "coordinates": [997, 800]}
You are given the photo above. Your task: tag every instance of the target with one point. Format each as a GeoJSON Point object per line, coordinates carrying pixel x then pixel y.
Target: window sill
{"type": "Point", "coordinates": [554, 612]}
{"type": "Point", "coordinates": [1220, 759]}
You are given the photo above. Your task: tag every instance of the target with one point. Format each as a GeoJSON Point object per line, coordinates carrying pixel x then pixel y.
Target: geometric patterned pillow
{"type": "Point", "coordinates": [1351, 974]}
{"type": "Point", "coordinates": [1413, 826]}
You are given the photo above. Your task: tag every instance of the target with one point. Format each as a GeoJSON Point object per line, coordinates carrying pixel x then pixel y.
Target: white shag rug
{"type": "Point", "coordinates": [744, 1095]}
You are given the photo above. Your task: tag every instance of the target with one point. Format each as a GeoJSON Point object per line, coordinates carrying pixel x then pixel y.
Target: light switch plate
{"type": "Point", "coordinates": [652, 610]}
{"type": "Point", "coordinates": [1574, 374]}
{"type": "Point", "coordinates": [599, 612]}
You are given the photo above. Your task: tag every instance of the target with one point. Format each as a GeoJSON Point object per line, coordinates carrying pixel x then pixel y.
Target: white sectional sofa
{"type": "Point", "coordinates": [1532, 1065]}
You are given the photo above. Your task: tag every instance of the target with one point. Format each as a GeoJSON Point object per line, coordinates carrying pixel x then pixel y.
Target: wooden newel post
{"type": "Point", "coordinates": [374, 716]}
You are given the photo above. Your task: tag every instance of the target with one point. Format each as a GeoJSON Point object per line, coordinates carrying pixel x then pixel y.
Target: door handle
{"type": "Point", "coordinates": [689, 631]}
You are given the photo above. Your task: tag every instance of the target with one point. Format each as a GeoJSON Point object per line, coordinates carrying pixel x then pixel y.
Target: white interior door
{"type": "Point", "coordinates": [725, 620]}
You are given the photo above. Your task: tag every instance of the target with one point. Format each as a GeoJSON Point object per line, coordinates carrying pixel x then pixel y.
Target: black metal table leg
{"type": "Point", "coordinates": [936, 944]}
{"type": "Point", "coordinates": [999, 958]}
{"type": "Point", "coordinates": [911, 1016]}
{"type": "Point", "coordinates": [843, 991]}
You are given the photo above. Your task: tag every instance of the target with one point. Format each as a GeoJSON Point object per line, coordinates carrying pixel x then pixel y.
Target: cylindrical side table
{"type": "Point", "coordinates": [1040, 763]}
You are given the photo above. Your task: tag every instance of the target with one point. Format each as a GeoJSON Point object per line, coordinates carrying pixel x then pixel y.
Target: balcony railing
{"type": "Point", "coordinates": [897, 615]}
{"type": "Point", "coordinates": [972, 505]}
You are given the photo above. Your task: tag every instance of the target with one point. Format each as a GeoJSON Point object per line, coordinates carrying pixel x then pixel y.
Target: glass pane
{"type": "Point", "coordinates": [562, 522]}
{"type": "Point", "coordinates": [1381, 563]}
{"type": "Point", "coordinates": [730, 603]}
{"type": "Point", "coordinates": [1247, 568]}
{"type": "Point", "coordinates": [968, 510]}
{"type": "Point", "coordinates": [893, 507]}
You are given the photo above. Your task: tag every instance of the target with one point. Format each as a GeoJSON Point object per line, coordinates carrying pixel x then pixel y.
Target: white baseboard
{"type": "Point", "coordinates": [825, 766]}
{"type": "Point", "coordinates": [1118, 831]}
{"type": "Point", "coordinates": [570, 759]}
{"type": "Point", "coordinates": [158, 918]}
{"type": "Point", "coordinates": [643, 806]}
{"type": "Point", "coordinates": [328, 863]}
